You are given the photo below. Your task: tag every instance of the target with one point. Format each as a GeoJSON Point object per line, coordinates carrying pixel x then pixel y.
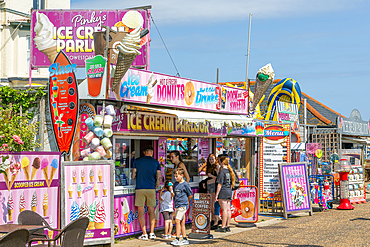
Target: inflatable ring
{"type": "Point", "coordinates": [298, 136]}
{"type": "Point", "coordinates": [189, 93]}
{"type": "Point", "coordinates": [247, 209]}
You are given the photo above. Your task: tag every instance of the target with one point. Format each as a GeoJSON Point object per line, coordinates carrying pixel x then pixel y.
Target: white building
{"type": "Point", "coordinates": [15, 40]}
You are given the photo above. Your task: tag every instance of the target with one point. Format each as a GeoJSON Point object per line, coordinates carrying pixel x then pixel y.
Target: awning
{"type": "Point", "coordinates": [347, 139]}
{"type": "Point", "coordinates": [217, 120]}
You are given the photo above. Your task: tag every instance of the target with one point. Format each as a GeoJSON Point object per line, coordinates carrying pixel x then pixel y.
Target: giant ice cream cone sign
{"type": "Point", "coordinates": [264, 78]}
{"type": "Point", "coordinates": [63, 101]}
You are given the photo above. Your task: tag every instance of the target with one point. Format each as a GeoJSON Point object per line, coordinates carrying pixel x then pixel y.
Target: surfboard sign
{"type": "Point", "coordinates": [63, 101]}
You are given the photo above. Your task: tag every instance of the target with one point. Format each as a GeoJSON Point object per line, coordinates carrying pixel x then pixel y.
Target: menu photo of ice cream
{"type": "Point", "coordinates": [87, 188]}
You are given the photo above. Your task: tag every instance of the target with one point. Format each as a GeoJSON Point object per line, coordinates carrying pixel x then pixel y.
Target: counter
{"type": "Point", "coordinates": [126, 221]}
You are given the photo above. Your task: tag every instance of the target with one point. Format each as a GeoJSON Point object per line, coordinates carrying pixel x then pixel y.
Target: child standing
{"type": "Point", "coordinates": [183, 196]}
{"type": "Point", "coordinates": [166, 197]}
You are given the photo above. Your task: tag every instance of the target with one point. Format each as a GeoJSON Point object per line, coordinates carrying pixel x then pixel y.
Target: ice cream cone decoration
{"type": "Point", "coordinates": [45, 203]}
{"type": "Point", "coordinates": [35, 167]}
{"type": "Point", "coordinates": [84, 209]}
{"type": "Point", "coordinates": [96, 190]}
{"type": "Point", "coordinates": [264, 78]}
{"type": "Point", "coordinates": [22, 202]}
{"type": "Point", "coordinates": [54, 167]}
{"type": "Point", "coordinates": [74, 175]}
{"type": "Point", "coordinates": [100, 175]}
{"type": "Point", "coordinates": [25, 167]}
{"type": "Point", "coordinates": [126, 212]}
{"type": "Point", "coordinates": [92, 211]}
{"type": "Point", "coordinates": [100, 215]}
{"type": "Point", "coordinates": [6, 178]}
{"type": "Point", "coordinates": [45, 170]}
{"type": "Point", "coordinates": [82, 176]}
{"type": "Point", "coordinates": [75, 211]}
{"type": "Point", "coordinates": [34, 202]}
{"type": "Point", "coordinates": [79, 190]}
{"type": "Point", "coordinates": [10, 206]}
{"type": "Point", "coordinates": [105, 189]}
{"type": "Point", "coordinates": [44, 37]}
{"type": "Point", "coordinates": [50, 232]}
{"type": "Point", "coordinates": [70, 191]}
{"type": "Point", "coordinates": [14, 170]}
{"type": "Point", "coordinates": [91, 175]}
{"type": "Point", "coordinates": [150, 88]}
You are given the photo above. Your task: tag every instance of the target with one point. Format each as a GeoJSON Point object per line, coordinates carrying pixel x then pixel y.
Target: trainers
{"type": "Point", "coordinates": [214, 227]}
{"type": "Point", "coordinates": [143, 237]}
{"type": "Point", "coordinates": [221, 229]}
{"type": "Point", "coordinates": [228, 229]}
{"type": "Point", "coordinates": [176, 242]}
{"type": "Point", "coordinates": [184, 242]}
{"type": "Point", "coordinates": [152, 236]}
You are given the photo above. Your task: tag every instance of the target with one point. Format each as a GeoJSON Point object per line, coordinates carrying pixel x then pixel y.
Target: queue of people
{"type": "Point", "coordinates": [176, 195]}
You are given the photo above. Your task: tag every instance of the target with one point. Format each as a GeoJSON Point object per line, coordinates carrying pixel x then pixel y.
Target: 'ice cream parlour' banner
{"type": "Point", "coordinates": [126, 221]}
{"type": "Point", "coordinates": [151, 88]}
{"type": "Point", "coordinates": [156, 123]}
{"type": "Point", "coordinates": [274, 150]}
{"type": "Point", "coordinates": [32, 183]}
{"type": "Point", "coordinates": [88, 193]}
{"type": "Point", "coordinates": [63, 101]}
{"type": "Point", "coordinates": [72, 31]}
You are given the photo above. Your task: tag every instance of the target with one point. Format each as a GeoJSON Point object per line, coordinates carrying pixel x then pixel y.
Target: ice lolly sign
{"type": "Point", "coordinates": [63, 101]}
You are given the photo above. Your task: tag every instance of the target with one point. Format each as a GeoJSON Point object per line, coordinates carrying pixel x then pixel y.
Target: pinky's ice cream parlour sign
{"type": "Point", "coordinates": [72, 31]}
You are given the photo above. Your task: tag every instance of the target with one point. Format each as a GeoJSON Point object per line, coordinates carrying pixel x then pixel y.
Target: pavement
{"type": "Point", "coordinates": [328, 228]}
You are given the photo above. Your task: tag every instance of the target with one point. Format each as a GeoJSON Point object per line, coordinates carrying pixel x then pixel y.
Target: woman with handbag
{"type": "Point", "coordinates": [225, 182]}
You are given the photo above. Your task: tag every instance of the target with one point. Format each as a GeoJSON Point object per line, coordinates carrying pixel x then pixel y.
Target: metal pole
{"type": "Point", "coordinates": [248, 49]}
{"type": "Point", "coordinates": [305, 119]}
{"type": "Point", "coordinates": [217, 75]}
{"type": "Point", "coordinates": [42, 123]}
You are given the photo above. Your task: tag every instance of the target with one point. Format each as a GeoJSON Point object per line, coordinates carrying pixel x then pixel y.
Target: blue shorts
{"type": "Point", "coordinates": [217, 208]}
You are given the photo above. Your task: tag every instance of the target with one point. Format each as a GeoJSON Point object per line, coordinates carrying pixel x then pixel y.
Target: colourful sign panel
{"type": "Point", "coordinates": [63, 101]}
{"type": "Point", "coordinates": [248, 197]}
{"type": "Point", "coordinates": [252, 128]}
{"type": "Point", "coordinates": [72, 31]}
{"type": "Point", "coordinates": [201, 221]}
{"type": "Point", "coordinates": [294, 182]}
{"type": "Point", "coordinates": [203, 152]}
{"type": "Point", "coordinates": [161, 124]}
{"type": "Point", "coordinates": [88, 193]}
{"type": "Point", "coordinates": [274, 150]}
{"type": "Point", "coordinates": [151, 88]}
{"type": "Point", "coordinates": [162, 156]}
{"type": "Point", "coordinates": [32, 183]}
{"type": "Point", "coordinates": [126, 220]}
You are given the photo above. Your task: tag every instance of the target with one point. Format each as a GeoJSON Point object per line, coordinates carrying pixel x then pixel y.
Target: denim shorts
{"type": "Point", "coordinates": [217, 208]}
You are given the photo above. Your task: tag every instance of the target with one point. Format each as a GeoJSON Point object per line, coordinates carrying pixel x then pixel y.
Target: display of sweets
{"type": "Point", "coordinates": [97, 139]}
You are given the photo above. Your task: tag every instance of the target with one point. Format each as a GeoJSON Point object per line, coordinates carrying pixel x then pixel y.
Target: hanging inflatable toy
{"type": "Point", "coordinates": [286, 90]}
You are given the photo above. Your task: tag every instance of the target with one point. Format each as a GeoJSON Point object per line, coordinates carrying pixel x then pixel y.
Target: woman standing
{"type": "Point", "coordinates": [225, 182]}
{"type": "Point", "coordinates": [176, 159]}
{"type": "Point", "coordinates": [212, 171]}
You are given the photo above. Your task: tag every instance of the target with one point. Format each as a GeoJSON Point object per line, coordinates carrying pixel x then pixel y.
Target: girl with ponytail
{"type": "Point", "coordinates": [225, 182]}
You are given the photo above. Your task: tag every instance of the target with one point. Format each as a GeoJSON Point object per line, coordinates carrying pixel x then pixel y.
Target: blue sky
{"type": "Point", "coordinates": [321, 44]}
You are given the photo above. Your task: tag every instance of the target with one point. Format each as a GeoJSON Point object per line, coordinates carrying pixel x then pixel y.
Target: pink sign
{"type": "Point", "coordinates": [88, 194]}
{"type": "Point", "coordinates": [72, 31]}
{"type": "Point", "coordinates": [158, 89]}
{"type": "Point", "coordinates": [162, 156]}
{"type": "Point", "coordinates": [32, 184]}
{"type": "Point", "coordinates": [295, 187]}
{"type": "Point", "coordinates": [203, 150]}
{"type": "Point", "coordinates": [126, 220]}
{"type": "Point", "coordinates": [248, 204]}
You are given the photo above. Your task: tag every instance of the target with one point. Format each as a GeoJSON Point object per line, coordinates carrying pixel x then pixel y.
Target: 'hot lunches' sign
{"type": "Point", "coordinates": [158, 89]}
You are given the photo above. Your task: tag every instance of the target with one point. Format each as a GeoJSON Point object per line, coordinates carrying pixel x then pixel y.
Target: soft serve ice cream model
{"type": "Point", "coordinates": [44, 40]}
{"type": "Point", "coordinates": [264, 78]}
{"type": "Point", "coordinates": [125, 211]}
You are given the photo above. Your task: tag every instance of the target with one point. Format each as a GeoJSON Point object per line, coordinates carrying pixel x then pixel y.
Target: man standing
{"type": "Point", "coordinates": [147, 172]}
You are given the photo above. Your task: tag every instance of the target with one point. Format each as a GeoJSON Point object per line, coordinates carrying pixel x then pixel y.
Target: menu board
{"type": "Point", "coordinates": [32, 183]}
{"type": "Point", "coordinates": [201, 222]}
{"type": "Point", "coordinates": [274, 150]}
{"type": "Point", "coordinates": [87, 193]}
{"type": "Point", "coordinates": [295, 189]}
{"type": "Point", "coordinates": [203, 150]}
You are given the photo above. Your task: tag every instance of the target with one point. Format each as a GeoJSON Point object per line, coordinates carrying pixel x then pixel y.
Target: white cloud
{"type": "Point", "coordinates": [212, 11]}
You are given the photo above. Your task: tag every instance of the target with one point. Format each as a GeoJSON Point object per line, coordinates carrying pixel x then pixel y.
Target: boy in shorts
{"type": "Point", "coordinates": [182, 199]}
